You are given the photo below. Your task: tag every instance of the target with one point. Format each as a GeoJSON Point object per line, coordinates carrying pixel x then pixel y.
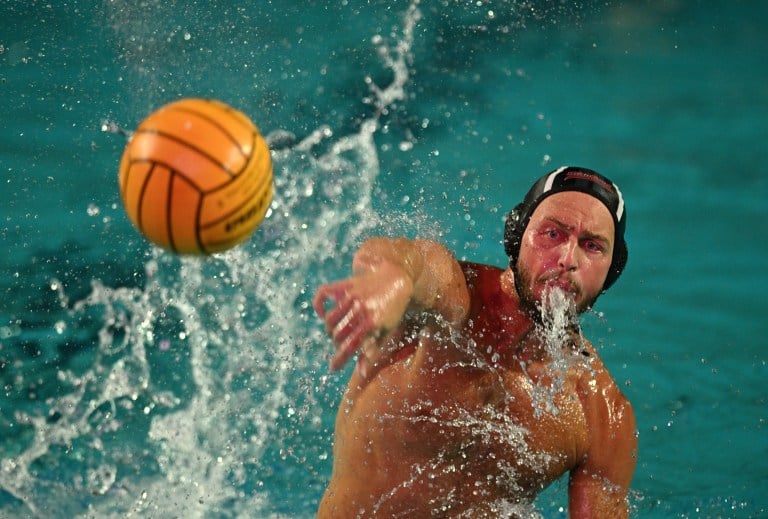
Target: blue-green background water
{"type": "Point", "coordinates": [134, 383]}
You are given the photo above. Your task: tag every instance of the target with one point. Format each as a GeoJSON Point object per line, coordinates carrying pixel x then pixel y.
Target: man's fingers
{"type": "Point", "coordinates": [348, 322]}
{"type": "Point", "coordinates": [347, 348]}
{"type": "Point", "coordinates": [318, 303]}
{"type": "Point", "coordinates": [338, 317]}
{"type": "Point", "coordinates": [346, 317]}
{"type": "Point", "coordinates": [330, 292]}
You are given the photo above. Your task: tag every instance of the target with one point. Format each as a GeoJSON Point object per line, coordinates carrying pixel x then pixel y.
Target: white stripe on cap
{"type": "Point", "coordinates": [620, 207]}
{"type": "Point", "coordinates": [551, 178]}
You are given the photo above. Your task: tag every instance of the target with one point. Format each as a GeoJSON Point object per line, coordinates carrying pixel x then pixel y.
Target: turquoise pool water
{"type": "Point", "coordinates": [138, 384]}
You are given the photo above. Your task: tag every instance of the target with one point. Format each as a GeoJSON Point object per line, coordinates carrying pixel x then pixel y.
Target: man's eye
{"type": "Point", "coordinates": [593, 246]}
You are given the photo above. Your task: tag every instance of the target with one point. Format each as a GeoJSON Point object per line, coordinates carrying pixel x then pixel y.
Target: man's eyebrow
{"type": "Point", "coordinates": [586, 234]}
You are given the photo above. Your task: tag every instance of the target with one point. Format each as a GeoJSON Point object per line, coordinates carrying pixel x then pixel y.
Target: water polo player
{"type": "Point", "coordinates": [475, 388]}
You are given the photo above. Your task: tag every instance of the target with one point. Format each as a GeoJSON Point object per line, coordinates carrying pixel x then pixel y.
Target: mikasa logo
{"type": "Point", "coordinates": [248, 215]}
{"type": "Point", "coordinates": [592, 178]}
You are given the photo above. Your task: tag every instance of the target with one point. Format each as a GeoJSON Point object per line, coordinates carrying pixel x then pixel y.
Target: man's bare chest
{"type": "Point", "coordinates": [500, 428]}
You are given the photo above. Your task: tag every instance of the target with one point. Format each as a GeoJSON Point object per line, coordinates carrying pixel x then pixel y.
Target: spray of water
{"type": "Point", "coordinates": [201, 371]}
{"type": "Point", "coordinates": [560, 334]}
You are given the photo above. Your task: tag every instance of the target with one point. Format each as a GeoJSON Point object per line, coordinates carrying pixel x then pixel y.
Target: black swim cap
{"type": "Point", "coordinates": [570, 178]}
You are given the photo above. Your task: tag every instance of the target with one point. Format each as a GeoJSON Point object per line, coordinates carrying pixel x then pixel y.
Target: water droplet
{"type": "Point", "coordinates": [60, 327]}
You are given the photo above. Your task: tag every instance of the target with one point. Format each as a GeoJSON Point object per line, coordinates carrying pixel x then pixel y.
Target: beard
{"type": "Point", "coordinates": [538, 308]}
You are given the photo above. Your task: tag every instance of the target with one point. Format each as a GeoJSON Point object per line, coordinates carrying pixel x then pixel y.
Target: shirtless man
{"type": "Point", "coordinates": [460, 405]}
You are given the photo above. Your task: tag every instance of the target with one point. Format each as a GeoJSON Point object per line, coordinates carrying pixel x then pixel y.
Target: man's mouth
{"type": "Point", "coordinates": [563, 284]}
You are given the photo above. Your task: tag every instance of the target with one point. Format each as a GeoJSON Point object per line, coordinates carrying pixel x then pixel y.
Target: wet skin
{"type": "Point", "coordinates": [443, 415]}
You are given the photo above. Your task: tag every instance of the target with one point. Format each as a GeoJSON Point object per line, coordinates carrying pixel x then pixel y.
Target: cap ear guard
{"type": "Point", "coordinates": [513, 231]}
{"type": "Point", "coordinates": [619, 261]}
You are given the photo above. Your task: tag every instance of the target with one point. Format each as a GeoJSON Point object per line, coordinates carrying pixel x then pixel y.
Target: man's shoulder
{"type": "Point", "coordinates": [472, 265]}
{"type": "Point", "coordinates": [483, 281]}
{"type": "Point", "coordinates": [480, 271]}
{"type": "Point", "coordinates": [596, 380]}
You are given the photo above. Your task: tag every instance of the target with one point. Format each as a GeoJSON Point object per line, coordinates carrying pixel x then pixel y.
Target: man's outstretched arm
{"type": "Point", "coordinates": [390, 276]}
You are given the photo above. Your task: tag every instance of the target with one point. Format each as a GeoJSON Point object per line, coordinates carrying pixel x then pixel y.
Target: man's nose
{"type": "Point", "coordinates": [569, 255]}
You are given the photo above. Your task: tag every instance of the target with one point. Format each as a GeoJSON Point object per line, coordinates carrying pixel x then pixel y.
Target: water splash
{"type": "Point", "coordinates": [203, 374]}
{"type": "Point", "coordinates": [490, 429]}
{"type": "Point", "coordinates": [560, 333]}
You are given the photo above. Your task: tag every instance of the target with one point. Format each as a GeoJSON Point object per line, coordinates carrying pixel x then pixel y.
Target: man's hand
{"type": "Point", "coordinates": [364, 308]}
